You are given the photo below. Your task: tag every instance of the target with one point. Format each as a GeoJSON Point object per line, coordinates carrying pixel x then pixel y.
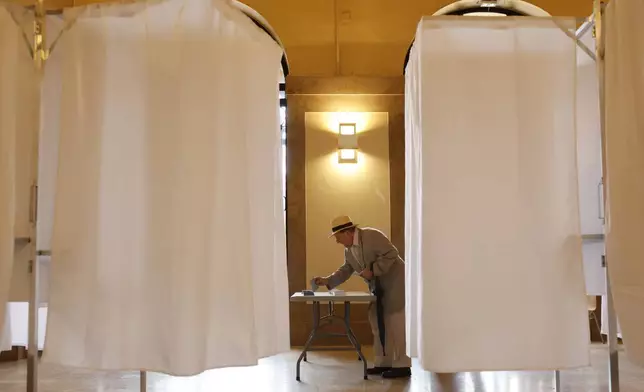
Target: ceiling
{"type": "Point", "coordinates": [370, 37]}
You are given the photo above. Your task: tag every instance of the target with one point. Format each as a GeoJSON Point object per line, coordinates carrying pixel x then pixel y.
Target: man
{"type": "Point", "coordinates": [370, 254]}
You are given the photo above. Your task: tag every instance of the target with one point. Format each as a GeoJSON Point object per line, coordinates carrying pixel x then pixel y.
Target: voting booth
{"type": "Point", "coordinates": [160, 198]}
{"type": "Point", "coordinates": [493, 234]}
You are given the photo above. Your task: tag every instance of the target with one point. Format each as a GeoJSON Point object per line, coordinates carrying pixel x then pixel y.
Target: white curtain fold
{"type": "Point", "coordinates": [624, 81]}
{"type": "Point", "coordinates": [48, 145]}
{"type": "Point", "coordinates": [589, 165]}
{"type": "Point", "coordinates": [168, 238]}
{"type": "Point", "coordinates": [413, 197]}
{"type": "Point", "coordinates": [493, 237]}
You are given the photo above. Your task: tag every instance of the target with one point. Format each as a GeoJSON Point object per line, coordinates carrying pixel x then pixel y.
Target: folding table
{"type": "Point", "coordinates": [321, 321]}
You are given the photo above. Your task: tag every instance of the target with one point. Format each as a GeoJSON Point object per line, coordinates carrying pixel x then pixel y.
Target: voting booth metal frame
{"type": "Point", "coordinates": [40, 53]}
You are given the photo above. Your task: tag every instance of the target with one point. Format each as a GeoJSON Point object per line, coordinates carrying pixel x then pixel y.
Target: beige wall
{"type": "Point", "coordinates": [309, 97]}
{"type": "Point", "coordinates": [360, 190]}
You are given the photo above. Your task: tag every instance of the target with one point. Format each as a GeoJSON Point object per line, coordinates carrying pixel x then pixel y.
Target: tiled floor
{"type": "Point", "coordinates": [326, 372]}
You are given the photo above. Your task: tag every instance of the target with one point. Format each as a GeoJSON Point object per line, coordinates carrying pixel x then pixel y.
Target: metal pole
{"type": "Point", "coordinates": [40, 54]}
{"type": "Point", "coordinates": [613, 361]}
{"type": "Point", "coordinates": [613, 358]}
{"type": "Point", "coordinates": [557, 381]}
{"type": "Point", "coordinates": [587, 25]}
{"type": "Point", "coordinates": [32, 349]}
{"type": "Point", "coordinates": [143, 379]}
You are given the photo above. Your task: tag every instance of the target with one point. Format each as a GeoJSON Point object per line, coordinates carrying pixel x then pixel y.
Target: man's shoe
{"type": "Point", "coordinates": [378, 370]}
{"type": "Point", "coordinates": [397, 373]}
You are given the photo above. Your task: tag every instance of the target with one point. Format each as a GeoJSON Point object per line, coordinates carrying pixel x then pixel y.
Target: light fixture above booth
{"type": "Point", "coordinates": [347, 143]}
{"type": "Point", "coordinates": [490, 8]}
{"type": "Point", "coordinates": [493, 7]}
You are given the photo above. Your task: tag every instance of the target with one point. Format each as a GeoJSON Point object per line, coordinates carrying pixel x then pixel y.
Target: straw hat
{"type": "Point", "coordinates": [341, 223]}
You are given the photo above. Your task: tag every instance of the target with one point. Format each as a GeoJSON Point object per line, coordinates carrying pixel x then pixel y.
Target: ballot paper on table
{"type": "Point", "coordinates": [337, 292]}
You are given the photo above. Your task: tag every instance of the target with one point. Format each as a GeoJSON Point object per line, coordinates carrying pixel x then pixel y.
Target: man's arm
{"type": "Point", "coordinates": [386, 253]}
{"type": "Point", "coordinates": [340, 276]}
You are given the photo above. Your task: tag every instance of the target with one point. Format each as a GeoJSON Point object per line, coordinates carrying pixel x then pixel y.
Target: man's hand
{"type": "Point", "coordinates": [321, 281]}
{"type": "Point", "coordinates": [367, 274]}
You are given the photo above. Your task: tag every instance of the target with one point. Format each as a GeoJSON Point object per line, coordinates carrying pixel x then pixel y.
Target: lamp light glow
{"type": "Point", "coordinates": [347, 143]}
{"type": "Point", "coordinates": [348, 156]}
{"type": "Point", "coordinates": [347, 129]}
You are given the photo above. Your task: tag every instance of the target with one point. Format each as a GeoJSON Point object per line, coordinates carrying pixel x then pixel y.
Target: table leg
{"type": "Point", "coordinates": [350, 333]}
{"type": "Point", "coordinates": [309, 341]}
{"type": "Point", "coordinates": [352, 336]}
{"type": "Point", "coordinates": [355, 338]}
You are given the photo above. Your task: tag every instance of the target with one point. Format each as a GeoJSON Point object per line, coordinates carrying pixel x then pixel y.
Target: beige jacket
{"type": "Point", "coordinates": [379, 254]}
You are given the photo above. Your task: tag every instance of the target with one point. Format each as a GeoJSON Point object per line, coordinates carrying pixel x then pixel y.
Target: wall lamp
{"type": "Point", "coordinates": [347, 143]}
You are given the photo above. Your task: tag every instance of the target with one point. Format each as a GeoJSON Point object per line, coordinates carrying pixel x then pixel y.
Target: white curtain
{"type": "Point", "coordinates": [168, 238]}
{"type": "Point", "coordinates": [604, 325]}
{"type": "Point", "coordinates": [589, 163]}
{"type": "Point", "coordinates": [624, 148]}
{"type": "Point", "coordinates": [413, 197]}
{"type": "Point", "coordinates": [494, 246]}
{"type": "Point", "coordinates": [48, 145]}
{"type": "Point", "coordinates": [18, 320]}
